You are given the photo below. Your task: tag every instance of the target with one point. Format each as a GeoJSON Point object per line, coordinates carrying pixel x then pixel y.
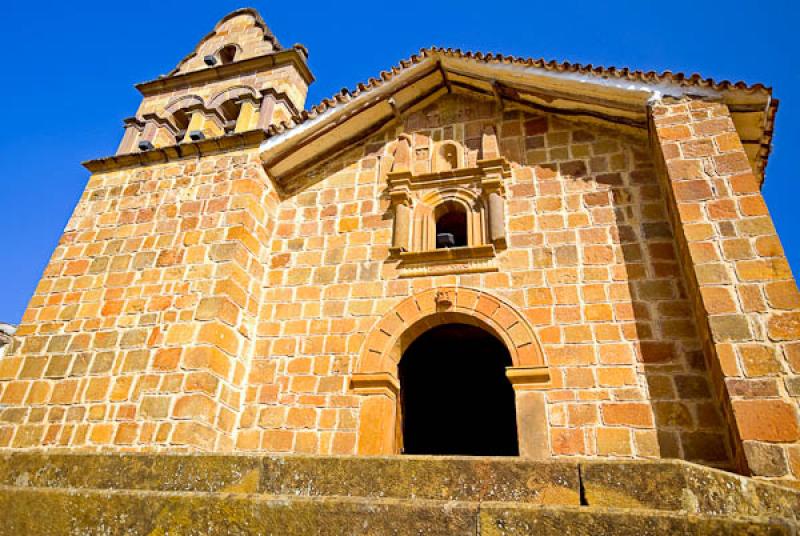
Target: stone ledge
{"type": "Point", "coordinates": [47, 512]}
{"type": "Point", "coordinates": [163, 155]}
{"type": "Point", "coordinates": [55, 512]}
{"type": "Point", "coordinates": [661, 485]}
{"type": "Point", "coordinates": [682, 486]}
{"type": "Point", "coordinates": [496, 520]}
{"type": "Point", "coordinates": [460, 260]}
{"type": "Point", "coordinates": [463, 253]}
{"type": "Point", "coordinates": [289, 56]}
{"type": "Point", "coordinates": [418, 477]}
{"type": "Point", "coordinates": [444, 478]}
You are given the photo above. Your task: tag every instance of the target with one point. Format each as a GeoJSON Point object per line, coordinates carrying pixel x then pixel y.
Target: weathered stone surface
{"type": "Point", "coordinates": [145, 512]}
{"type": "Point", "coordinates": [664, 485]}
{"type": "Point", "coordinates": [721, 493]}
{"type": "Point", "coordinates": [444, 478]}
{"type": "Point", "coordinates": [150, 513]}
{"type": "Point", "coordinates": [682, 486]}
{"type": "Point", "coordinates": [215, 494]}
{"type": "Point", "coordinates": [766, 459]}
{"type": "Point", "coordinates": [633, 485]}
{"type": "Point", "coordinates": [566, 521]}
{"type": "Point", "coordinates": [160, 472]}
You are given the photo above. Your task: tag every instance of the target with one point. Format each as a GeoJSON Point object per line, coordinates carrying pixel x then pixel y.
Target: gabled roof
{"type": "Point", "coordinates": [595, 94]}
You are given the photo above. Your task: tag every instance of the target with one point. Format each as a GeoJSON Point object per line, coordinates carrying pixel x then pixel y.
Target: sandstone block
{"type": "Point", "coordinates": [765, 459]}
{"type": "Point", "coordinates": [637, 415]}
{"type": "Point", "coordinates": [766, 420]}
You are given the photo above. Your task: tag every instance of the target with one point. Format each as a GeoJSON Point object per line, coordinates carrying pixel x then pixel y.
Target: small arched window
{"type": "Point", "coordinates": [451, 225]}
{"type": "Point", "coordinates": [227, 54]}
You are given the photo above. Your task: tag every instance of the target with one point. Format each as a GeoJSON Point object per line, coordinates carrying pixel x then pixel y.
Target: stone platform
{"type": "Point", "coordinates": [161, 494]}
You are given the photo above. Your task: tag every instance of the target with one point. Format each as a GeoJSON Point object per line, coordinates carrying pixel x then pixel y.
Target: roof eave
{"type": "Point", "coordinates": [614, 97]}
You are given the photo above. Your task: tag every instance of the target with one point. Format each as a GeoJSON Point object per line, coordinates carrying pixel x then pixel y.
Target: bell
{"type": "Point", "coordinates": [445, 240]}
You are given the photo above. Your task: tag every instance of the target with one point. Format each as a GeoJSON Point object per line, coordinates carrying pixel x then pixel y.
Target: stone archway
{"type": "Point", "coordinates": [376, 377]}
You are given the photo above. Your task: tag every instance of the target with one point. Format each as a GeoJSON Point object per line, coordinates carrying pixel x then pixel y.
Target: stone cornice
{"type": "Point", "coordinates": [528, 378]}
{"type": "Point", "coordinates": [379, 383]}
{"type": "Point", "coordinates": [292, 56]}
{"type": "Point", "coordinates": [229, 142]}
{"type": "Point", "coordinates": [489, 171]}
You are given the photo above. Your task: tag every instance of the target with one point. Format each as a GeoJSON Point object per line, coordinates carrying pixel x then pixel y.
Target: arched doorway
{"type": "Point", "coordinates": [376, 378]}
{"type": "Point", "coordinates": [455, 397]}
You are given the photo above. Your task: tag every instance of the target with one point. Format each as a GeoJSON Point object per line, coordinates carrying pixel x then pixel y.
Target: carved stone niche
{"type": "Point", "coordinates": [470, 199]}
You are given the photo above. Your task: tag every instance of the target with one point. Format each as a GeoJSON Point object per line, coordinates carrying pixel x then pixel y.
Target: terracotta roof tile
{"type": "Point", "coordinates": [681, 79]}
{"type": "Point", "coordinates": [652, 77]}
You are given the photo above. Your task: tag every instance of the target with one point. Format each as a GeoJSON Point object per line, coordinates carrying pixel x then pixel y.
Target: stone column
{"type": "Point", "coordinates": [158, 131]}
{"type": "Point", "coordinates": [378, 416]}
{"type": "Point", "coordinates": [489, 146]}
{"type": "Point", "coordinates": [206, 122]}
{"type": "Point", "coordinates": [532, 432]}
{"type": "Point", "coordinates": [149, 131]}
{"type": "Point", "coordinates": [400, 195]}
{"type": "Point", "coordinates": [497, 217]}
{"type": "Point", "coordinates": [133, 129]}
{"type": "Point", "coordinates": [196, 122]}
{"type": "Point", "coordinates": [248, 115]}
{"type": "Point", "coordinates": [745, 300]}
{"type": "Point", "coordinates": [492, 185]}
{"type": "Point", "coordinates": [402, 226]}
{"type": "Point", "coordinates": [265, 111]}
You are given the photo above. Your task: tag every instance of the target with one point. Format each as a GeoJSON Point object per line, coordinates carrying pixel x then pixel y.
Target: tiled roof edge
{"type": "Point", "coordinates": [681, 79]}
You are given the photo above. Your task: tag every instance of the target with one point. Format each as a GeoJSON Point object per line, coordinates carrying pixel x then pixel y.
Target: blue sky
{"type": "Point", "coordinates": [68, 71]}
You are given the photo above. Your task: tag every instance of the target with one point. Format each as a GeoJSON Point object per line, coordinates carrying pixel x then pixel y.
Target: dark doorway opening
{"type": "Point", "coordinates": [455, 396]}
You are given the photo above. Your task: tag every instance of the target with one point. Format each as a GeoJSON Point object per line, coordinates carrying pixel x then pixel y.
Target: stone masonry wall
{"type": "Point", "coordinates": [591, 262]}
{"type": "Point", "coordinates": [139, 334]}
{"type": "Point", "coordinates": [745, 298]}
{"type": "Point", "coordinates": [189, 306]}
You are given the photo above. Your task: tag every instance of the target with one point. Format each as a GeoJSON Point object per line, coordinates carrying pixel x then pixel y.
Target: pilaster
{"type": "Point", "coordinates": [746, 302]}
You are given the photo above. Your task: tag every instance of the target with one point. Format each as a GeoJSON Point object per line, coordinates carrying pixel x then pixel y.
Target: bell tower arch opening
{"type": "Point", "coordinates": [455, 398]}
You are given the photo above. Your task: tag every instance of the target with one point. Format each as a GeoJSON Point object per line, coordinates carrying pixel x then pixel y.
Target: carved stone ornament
{"type": "Point", "coordinates": [444, 299]}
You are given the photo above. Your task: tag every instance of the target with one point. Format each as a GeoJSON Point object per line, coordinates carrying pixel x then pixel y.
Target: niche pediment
{"type": "Point", "coordinates": [450, 219]}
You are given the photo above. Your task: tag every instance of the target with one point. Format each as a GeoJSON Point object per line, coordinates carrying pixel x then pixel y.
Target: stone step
{"type": "Point", "coordinates": [675, 486]}
{"type": "Point", "coordinates": [49, 511]}
{"type": "Point", "coordinates": [445, 478]}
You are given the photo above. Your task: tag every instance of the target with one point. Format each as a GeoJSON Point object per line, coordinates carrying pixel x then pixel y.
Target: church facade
{"type": "Point", "coordinates": [470, 254]}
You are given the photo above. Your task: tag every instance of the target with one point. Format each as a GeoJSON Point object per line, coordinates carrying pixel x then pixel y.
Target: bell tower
{"type": "Point", "coordinates": [238, 80]}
